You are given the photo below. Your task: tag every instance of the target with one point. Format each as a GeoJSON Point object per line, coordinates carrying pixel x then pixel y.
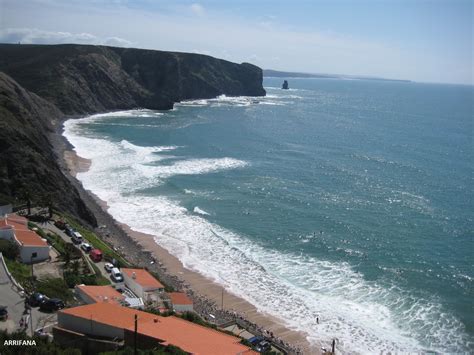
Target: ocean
{"type": "Point", "coordinates": [350, 201]}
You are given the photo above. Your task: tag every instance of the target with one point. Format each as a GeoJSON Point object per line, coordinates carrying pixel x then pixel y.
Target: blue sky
{"type": "Point", "coordinates": [429, 41]}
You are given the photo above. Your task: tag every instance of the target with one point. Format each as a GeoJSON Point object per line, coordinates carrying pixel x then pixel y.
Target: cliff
{"type": "Point", "coordinates": [81, 79]}
{"type": "Point", "coordinates": [40, 85]}
{"type": "Point", "coordinates": [27, 161]}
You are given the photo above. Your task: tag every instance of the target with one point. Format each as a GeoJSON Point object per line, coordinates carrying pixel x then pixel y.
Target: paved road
{"type": "Point", "coordinates": [100, 265]}
{"type": "Point", "coordinates": [11, 297]}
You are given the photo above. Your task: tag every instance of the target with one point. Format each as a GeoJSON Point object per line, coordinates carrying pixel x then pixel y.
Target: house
{"type": "Point", "coordinates": [5, 208]}
{"type": "Point", "coordinates": [180, 302]}
{"type": "Point", "coordinates": [32, 247]}
{"type": "Point", "coordinates": [143, 284]}
{"type": "Point", "coordinates": [94, 294]}
{"type": "Point", "coordinates": [110, 321]}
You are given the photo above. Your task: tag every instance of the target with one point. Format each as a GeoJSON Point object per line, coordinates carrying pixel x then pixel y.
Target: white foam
{"type": "Point", "coordinates": [200, 211]}
{"type": "Point", "coordinates": [365, 316]}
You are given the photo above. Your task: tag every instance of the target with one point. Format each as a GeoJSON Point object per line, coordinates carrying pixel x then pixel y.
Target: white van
{"type": "Point", "coordinates": [116, 275]}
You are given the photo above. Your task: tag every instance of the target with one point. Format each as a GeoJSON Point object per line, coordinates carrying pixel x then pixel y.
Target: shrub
{"type": "Point", "coordinates": [9, 249]}
{"type": "Point", "coordinates": [54, 287]}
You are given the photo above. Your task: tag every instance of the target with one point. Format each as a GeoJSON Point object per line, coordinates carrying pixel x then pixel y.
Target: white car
{"type": "Point", "coordinates": [86, 247]}
{"type": "Point", "coordinates": [108, 267]}
{"type": "Point", "coordinates": [116, 275]}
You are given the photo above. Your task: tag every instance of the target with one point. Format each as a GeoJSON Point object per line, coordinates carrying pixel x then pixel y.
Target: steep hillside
{"type": "Point", "coordinates": [82, 79]}
{"type": "Point", "coordinates": [27, 162]}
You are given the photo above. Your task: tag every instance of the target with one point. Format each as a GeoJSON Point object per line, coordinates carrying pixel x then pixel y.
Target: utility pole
{"type": "Point", "coordinates": [222, 298]}
{"type": "Point", "coordinates": [135, 336]}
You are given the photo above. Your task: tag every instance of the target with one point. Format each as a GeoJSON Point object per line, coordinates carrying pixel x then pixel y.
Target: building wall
{"type": "Point", "coordinates": [26, 252]}
{"type": "Point", "coordinates": [88, 326]}
{"type": "Point", "coordinates": [183, 308]}
{"type": "Point", "coordinates": [132, 285]}
{"type": "Point", "coordinates": [7, 234]}
{"type": "Point", "coordinates": [83, 296]}
{"type": "Point", "coordinates": [5, 209]}
{"type": "Point", "coordinates": [87, 345]}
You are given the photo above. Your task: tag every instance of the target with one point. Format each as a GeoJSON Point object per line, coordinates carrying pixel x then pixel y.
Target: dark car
{"type": "Point", "coordinates": [255, 340]}
{"type": "Point", "coordinates": [69, 231]}
{"type": "Point", "coordinates": [60, 224]}
{"type": "Point", "coordinates": [3, 313]}
{"type": "Point", "coordinates": [36, 299]}
{"type": "Point", "coordinates": [51, 305]}
{"type": "Point", "coordinates": [263, 346]}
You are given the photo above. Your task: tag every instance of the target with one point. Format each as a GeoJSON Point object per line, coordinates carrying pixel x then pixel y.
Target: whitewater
{"type": "Point", "coordinates": [162, 187]}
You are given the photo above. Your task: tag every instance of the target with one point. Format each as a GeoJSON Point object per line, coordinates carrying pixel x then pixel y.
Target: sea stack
{"type": "Point", "coordinates": [285, 85]}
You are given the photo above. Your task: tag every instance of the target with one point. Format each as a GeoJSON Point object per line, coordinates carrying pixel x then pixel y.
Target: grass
{"type": "Point", "coordinates": [21, 272]}
{"type": "Point", "coordinates": [96, 242]}
{"type": "Point", "coordinates": [54, 288]}
{"type": "Point", "coordinates": [101, 280]}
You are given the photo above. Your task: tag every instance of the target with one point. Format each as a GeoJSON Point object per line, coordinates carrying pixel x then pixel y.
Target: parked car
{"type": "Point", "coordinates": [36, 299]}
{"type": "Point", "coordinates": [69, 231]}
{"type": "Point", "coordinates": [51, 305]}
{"type": "Point", "coordinates": [77, 238]}
{"type": "Point", "coordinates": [96, 255]}
{"type": "Point", "coordinates": [86, 247]}
{"type": "Point", "coordinates": [60, 224]}
{"type": "Point", "coordinates": [108, 267]}
{"type": "Point", "coordinates": [3, 313]}
{"type": "Point", "coordinates": [263, 346]}
{"type": "Point", "coordinates": [116, 275]}
{"type": "Point", "coordinates": [255, 340]}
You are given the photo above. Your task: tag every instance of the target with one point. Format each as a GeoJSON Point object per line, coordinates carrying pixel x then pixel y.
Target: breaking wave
{"type": "Point", "coordinates": [366, 316]}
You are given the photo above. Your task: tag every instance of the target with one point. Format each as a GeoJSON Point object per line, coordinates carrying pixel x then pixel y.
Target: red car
{"type": "Point", "coordinates": [96, 255]}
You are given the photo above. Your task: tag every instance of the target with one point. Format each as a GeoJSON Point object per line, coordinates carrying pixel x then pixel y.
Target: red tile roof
{"type": "Point", "coordinates": [142, 277]}
{"type": "Point", "coordinates": [188, 336]}
{"type": "Point", "coordinates": [179, 298]}
{"type": "Point", "coordinates": [102, 293]}
{"type": "Point", "coordinates": [29, 238]}
{"type": "Point", "coordinates": [16, 218]}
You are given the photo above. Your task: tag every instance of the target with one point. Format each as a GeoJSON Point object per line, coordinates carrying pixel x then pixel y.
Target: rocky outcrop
{"type": "Point", "coordinates": [27, 160]}
{"type": "Point", "coordinates": [41, 85]}
{"type": "Point", "coordinates": [82, 79]}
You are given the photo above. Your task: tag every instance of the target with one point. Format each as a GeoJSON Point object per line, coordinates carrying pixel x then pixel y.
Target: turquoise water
{"type": "Point", "coordinates": [351, 201]}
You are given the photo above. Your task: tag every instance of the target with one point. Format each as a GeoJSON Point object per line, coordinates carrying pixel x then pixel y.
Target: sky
{"type": "Point", "coordinates": [419, 40]}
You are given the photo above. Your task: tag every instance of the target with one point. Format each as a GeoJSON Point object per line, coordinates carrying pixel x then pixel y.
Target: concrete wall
{"type": "Point", "coordinates": [84, 296]}
{"type": "Point", "coordinates": [27, 251]}
{"type": "Point", "coordinates": [87, 345]}
{"type": "Point", "coordinates": [183, 308]}
{"type": "Point", "coordinates": [88, 326]}
{"type": "Point", "coordinates": [7, 234]}
{"type": "Point", "coordinates": [132, 285]}
{"type": "Point", "coordinates": [4, 209]}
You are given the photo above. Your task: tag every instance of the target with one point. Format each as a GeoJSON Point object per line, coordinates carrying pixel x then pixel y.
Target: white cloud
{"type": "Point", "coordinates": [220, 33]}
{"type": "Point", "coordinates": [197, 9]}
{"type": "Point", "coordinates": [36, 36]}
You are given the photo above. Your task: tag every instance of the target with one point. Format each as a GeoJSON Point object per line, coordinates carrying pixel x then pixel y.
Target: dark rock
{"type": "Point", "coordinates": [81, 79]}
{"type": "Point", "coordinates": [43, 84]}
{"type": "Point", "coordinates": [27, 159]}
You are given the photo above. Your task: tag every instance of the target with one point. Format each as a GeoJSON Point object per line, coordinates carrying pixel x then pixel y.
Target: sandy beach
{"type": "Point", "coordinates": [207, 295]}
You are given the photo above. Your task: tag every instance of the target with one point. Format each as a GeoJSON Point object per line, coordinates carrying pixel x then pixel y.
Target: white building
{"type": "Point", "coordinates": [94, 294]}
{"type": "Point", "coordinates": [180, 302]}
{"type": "Point", "coordinates": [5, 208]}
{"type": "Point", "coordinates": [143, 284]}
{"type": "Point", "coordinates": [33, 248]}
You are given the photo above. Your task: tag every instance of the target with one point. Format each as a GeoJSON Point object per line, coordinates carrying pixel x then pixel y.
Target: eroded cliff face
{"type": "Point", "coordinates": [82, 79]}
{"type": "Point", "coordinates": [27, 159]}
{"type": "Point", "coordinates": [41, 85]}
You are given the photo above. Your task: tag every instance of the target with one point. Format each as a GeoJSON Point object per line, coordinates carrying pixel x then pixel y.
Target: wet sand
{"type": "Point", "coordinates": [192, 280]}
